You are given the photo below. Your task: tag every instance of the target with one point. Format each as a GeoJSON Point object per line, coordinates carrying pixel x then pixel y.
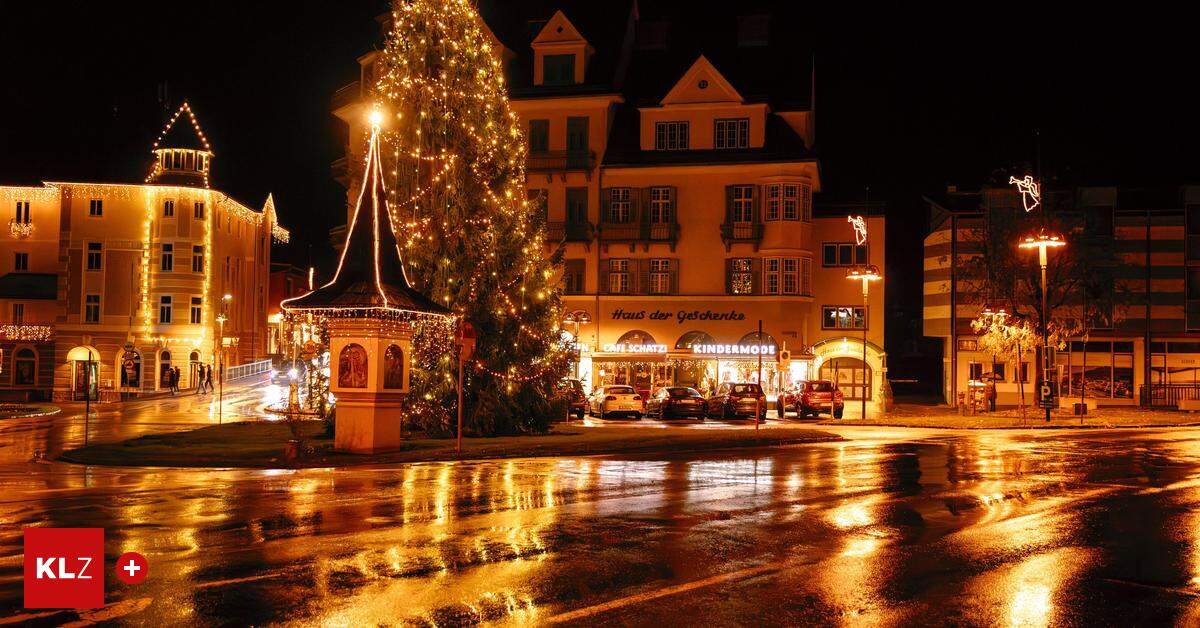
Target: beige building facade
{"type": "Point", "coordinates": [107, 287]}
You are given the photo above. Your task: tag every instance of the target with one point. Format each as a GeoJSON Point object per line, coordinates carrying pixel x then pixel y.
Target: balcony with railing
{"type": "Point", "coordinates": [741, 232]}
{"type": "Point", "coordinates": [639, 232]}
{"type": "Point", "coordinates": [570, 231]}
{"type": "Point", "coordinates": [551, 161]}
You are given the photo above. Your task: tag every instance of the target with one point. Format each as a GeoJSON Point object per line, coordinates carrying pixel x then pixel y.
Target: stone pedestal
{"type": "Point", "coordinates": [369, 374]}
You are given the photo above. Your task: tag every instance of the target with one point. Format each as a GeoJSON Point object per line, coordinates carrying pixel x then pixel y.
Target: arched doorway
{"type": "Point", "coordinates": [164, 369]}
{"type": "Point", "coordinates": [130, 368]}
{"type": "Point", "coordinates": [85, 373]}
{"type": "Point", "coordinates": [852, 376]}
{"type": "Point", "coordinates": [25, 367]}
{"type": "Point", "coordinates": [194, 369]}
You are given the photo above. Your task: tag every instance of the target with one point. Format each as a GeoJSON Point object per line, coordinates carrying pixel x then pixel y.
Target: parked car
{"type": "Point", "coordinates": [577, 401]}
{"type": "Point", "coordinates": [734, 400]}
{"type": "Point", "coordinates": [609, 401]}
{"type": "Point", "coordinates": [672, 402]}
{"type": "Point", "coordinates": [813, 398]}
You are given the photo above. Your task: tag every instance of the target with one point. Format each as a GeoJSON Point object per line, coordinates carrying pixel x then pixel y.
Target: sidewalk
{"type": "Point", "coordinates": [942, 416]}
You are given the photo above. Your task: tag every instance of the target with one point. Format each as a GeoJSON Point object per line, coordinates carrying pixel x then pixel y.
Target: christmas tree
{"type": "Point", "coordinates": [456, 157]}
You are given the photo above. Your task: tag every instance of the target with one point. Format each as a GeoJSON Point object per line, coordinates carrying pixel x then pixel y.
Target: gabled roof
{"type": "Point", "coordinates": [370, 280]}
{"type": "Point", "coordinates": [189, 136]}
{"type": "Point", "coordinates": [558, 30]}
{"type": "Point", "coordinates": [715, 87]}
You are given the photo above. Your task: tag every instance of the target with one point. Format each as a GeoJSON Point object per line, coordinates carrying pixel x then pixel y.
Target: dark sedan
{"type": "Point", "coordinates": [737, 400]}
{"type": "Point", "coordinates": [675, 402]}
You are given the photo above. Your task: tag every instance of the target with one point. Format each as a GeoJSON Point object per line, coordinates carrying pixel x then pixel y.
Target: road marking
{"type": "Point", "coordinates": [653, 595]}
{"type": "Point", "coordinates": [218, 583]}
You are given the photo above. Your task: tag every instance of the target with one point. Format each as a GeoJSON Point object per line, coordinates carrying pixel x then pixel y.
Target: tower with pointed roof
{"type": "Point", "coordinates": [182, 154]}
{"type": "Point", "coordinates": [372, 313]}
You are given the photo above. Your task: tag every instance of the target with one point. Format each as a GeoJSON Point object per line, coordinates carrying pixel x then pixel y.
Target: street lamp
{"type": "Point", "coordinates": [866, 274]}
{"type": "Point", "coordinates": [576, 319]}
{"type": "Point", "coordinates": [221, 318]}
{"type": "Point", "coordinates": [1042, 242]}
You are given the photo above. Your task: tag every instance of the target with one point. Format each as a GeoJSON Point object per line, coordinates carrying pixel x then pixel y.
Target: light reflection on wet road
{"type": "Point", "coordinates": [891, 527]}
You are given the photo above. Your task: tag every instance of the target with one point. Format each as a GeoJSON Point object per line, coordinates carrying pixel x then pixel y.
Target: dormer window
{"type": "Point", "coordinates": [558, 70]}
{"type": "Point", "coordinates": [732, 133]}
{"type": "Point", "coordinates": [671, 136]}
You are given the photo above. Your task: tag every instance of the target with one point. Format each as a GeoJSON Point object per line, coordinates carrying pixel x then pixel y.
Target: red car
{"type": "Point", "coordinates": [813, 398]}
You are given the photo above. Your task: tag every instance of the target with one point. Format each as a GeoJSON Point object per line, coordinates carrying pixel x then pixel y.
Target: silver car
{"type": "Point", "coordinates": [615, 401]}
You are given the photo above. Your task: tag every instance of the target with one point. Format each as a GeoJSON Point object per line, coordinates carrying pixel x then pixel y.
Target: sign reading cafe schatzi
{"type": "Point", "coordinates": [681, 316]}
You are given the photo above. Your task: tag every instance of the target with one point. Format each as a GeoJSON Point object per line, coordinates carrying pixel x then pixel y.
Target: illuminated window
{"type": "Point", "coordinates": [618, 276]}
{"type": "Point", "coordinates": [662, 205]}
{"type": "Point", "coordinates": [843, 317]}
{"type": "Point", "coordinates": [741, 276]}
{"type": "Point", "coordinates": [22, 212]}
{"type": "Point", "coordinates": [790, 274]}
{"type": "Point", "coordinates": [198, 210]}
{"type": "Point", "coordinates": [771, 275]}
{"type": "Point", "coordinates": [742, 204]}
{"type": "Point", "coordinates": [91, 309]}
{"type": "Point", "coordinates": [168, 209]}
{"type": "Point", "coordinates": [774, 201]}
{"type": "Point", "coordinates": [95, 256]}
{"type": "Point", "coordinates": [733, 133]}
{"type": "Point", "coordinates": [791, 204]}
{"type": "Point", "coordinates": [168, 257]}
{"type": "Point", "coordinates": [660, 276]}
{"type": "Point", "coordinates": [671, 135]}
{"type": "Point", "coordinates": [195, 312]}
{"type": "Point", "coordinates": [620, 208]}
{"type": "Point", "coordinates": [164, 309]}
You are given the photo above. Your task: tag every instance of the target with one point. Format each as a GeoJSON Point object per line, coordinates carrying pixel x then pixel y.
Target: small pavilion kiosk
{"type": "Point", "coordinates": [371, 313]}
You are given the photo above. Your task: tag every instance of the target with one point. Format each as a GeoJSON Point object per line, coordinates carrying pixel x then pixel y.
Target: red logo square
{"type": "Point", "coordinates": [64, 567]}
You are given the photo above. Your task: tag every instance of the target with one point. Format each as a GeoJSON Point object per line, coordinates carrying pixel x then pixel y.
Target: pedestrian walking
{"type": "Point", "coordinates": [200, 379]}
{"type": "Point", "coordinates": [208, 378]}
{"type": "Point", "coordinates": [177, 376]}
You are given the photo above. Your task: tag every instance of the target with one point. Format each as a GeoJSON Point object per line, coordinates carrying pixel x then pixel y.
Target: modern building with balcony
{"type": "Point", "coordinates": [105, 287]}
{"type": "Point", "coordinates": [673, 156]}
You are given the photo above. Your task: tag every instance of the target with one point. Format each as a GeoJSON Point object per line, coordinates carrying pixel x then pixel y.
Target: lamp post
{"type": "Point", "coordinates": [576, 319]}
{"type": "Point", "coordinates": [1042, 242]}
{"type": "Point", "coordinates": [865, 274]}
{"type": "Point", "coordinates": [221, 318]}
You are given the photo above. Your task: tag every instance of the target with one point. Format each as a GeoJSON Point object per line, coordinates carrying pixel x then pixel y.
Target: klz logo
{"type": "Point", "coordinates": [64, 567]}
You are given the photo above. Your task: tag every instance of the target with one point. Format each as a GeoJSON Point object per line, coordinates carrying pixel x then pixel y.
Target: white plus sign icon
{"type": "Point", "coordinates": [131, 568]}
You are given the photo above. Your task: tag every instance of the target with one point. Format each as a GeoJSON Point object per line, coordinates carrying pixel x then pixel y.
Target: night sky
{"type": "Point", "coordinates": [906, 102]}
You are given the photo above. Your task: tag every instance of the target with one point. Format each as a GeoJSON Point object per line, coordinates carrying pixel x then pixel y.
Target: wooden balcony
{"type": "Point", "coordinates": [346, 95]}
{"type": "Point", "coordinates": [741, 232]}
{"type": "Point", "coordinates": [640, 233]}
{"type": "Point", "coordinates": [570, 232]}
{"type": "Point", "coordinates": [561, 162]}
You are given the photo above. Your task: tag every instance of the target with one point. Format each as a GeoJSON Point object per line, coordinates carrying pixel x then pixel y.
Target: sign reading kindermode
{"type": "Point", "coordinates": [734, 349]}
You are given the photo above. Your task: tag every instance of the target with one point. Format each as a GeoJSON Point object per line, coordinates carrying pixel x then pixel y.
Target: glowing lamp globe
{"type": "Point", "coordinates": [375, 117]}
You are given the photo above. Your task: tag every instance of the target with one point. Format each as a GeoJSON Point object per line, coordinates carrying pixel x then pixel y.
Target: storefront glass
{"type": "Point", "coordinates": [1097, 369]}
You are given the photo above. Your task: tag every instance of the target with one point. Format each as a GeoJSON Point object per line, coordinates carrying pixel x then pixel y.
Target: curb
{"type": "Point", "coordinates": [367, 461]}
{"type": "Point", "coordinates": [1043, 426]}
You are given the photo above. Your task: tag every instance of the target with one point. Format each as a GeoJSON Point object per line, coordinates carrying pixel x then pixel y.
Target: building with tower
{"type": "Point", "coordinates": [672, 153]}
{"type": "Point", "coordinates": [105, 287]}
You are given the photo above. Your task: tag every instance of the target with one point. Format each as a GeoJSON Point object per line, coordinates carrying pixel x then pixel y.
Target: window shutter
{"type": "Point", "coordinates": [674, 267]}
{"type": "Point", "coordinates": [642, 200]}
{"type": "Point", "coordinates": [728, 276]}
{"type": "Point", "coordinates": [756, 271]}
{"type": "Point", "coordinates": [674, 192]}
{"type": "Point", "coordinates": [603, 287]}
{"type": "Point", "coordinates": [755, 200]}
{"type": "Point", "coordinates": [643, 276]}
{"type": "Point", "coordinates": [729, 204]}
{"type": "Point", "coordinates": [605, 204]}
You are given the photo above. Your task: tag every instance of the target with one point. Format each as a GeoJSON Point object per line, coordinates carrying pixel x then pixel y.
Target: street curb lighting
{"type": "Point", "coordinates": [866, 274]}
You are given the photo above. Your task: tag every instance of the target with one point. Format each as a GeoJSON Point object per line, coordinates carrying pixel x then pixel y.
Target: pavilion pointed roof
{"type": "Point", "coordinates": [370, 280]}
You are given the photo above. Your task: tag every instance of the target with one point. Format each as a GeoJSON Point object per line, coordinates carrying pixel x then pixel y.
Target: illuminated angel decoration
{"type": "Point", "coordinates": [860, 228]}
{"type": "Point", "coordinates": [1031, 193]}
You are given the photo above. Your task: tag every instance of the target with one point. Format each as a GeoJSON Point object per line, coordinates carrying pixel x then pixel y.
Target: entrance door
{"type": "Point", "coordinates": [851, 376]}
{"type": "Point", "coordinates": [84, 384]}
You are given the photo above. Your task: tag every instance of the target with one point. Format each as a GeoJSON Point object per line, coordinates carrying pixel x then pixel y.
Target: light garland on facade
{"type": "Point", "coordinates": [20, 230]}
{"type": "Point", "coordinates": [21, 332]}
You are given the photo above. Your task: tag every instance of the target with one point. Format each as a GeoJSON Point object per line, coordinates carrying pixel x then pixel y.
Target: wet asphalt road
{"type": "Point", "coordinates": [892, 527]}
